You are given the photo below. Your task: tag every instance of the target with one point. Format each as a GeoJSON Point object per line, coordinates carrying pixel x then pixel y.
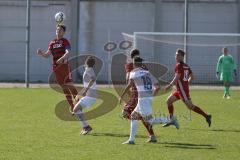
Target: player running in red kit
{"type": "Point", "coordinates": [133, 100]}
{"type": "Point", "coordinates": [60, 48]}
{"type": "Point", "coordinates": [183, 76]}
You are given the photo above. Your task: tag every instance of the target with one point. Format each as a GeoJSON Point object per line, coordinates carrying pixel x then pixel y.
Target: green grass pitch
{"type": "Point", "coordinates": [29, 129]}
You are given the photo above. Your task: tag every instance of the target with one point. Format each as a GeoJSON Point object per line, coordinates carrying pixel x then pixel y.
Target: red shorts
{"type": "Point", "coordinates": [63, 74]}
{"type": "Point", "coordinates": [183, 95]}
{"type": "Point", "coordinates": [130, 105]}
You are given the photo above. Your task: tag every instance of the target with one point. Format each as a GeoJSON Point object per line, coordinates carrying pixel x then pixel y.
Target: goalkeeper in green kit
{"type": "Point", "coordinates": [225, 67]}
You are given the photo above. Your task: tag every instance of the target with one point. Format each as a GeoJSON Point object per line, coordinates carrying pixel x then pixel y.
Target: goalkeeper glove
{"type": "Point", "coordinates": [217, 75]}
{"type": "Point", "coordinates": [235, 72]}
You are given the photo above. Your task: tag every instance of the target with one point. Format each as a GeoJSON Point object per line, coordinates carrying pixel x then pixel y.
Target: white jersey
{"type": "Point", "coordinates": [87, 76]}
{"type": "Point", "coordinates": [144, 81]}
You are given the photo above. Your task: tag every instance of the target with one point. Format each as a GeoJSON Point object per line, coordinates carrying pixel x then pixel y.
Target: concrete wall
{"type": "Point", "coordinates": [12, 37]}
{"type": "Point", "coordinates": [102, 21]}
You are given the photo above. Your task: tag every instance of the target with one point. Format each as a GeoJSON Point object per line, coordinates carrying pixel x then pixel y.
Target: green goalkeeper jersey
{"type": "Point", "coordinates": [226, 64]}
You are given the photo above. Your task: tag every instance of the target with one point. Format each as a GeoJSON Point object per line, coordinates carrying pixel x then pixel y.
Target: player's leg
{"type": "Point", "coordinates": [148, 126]}
{"type": "Point", "coordinates": [226, 78]}
{"type": "Point", "coordinates": [68, 80]}
{"type": "Point", "coordinates": [170, 100]}
{"type": "Point", "coordinates": [133, 130]}
{"type": "Point", "coordinates": [222, 79]}
{"type": "Point", "coordinates": [227, 88]}
{"type": "Point", "coordinates": [84, 102]}
{"type": "Point", "coordinates": [162, 120]}
{"type": "Point", "coordinates": [128, 109]}
{"type": "Point", "coordinates": [72, 89]}
{"type": "Point", "coordinates": [144, 110]}
{"type": "Point", "coordinates": [61, 76]}
{"type": "Point", "coordinates": [159, 120]}
{"type": "Point", "coordinates": [77, 110]}
{"type": "Point", "coordinates": [198, 110]}
{"type": "Point", "coordinates": [68, 96]}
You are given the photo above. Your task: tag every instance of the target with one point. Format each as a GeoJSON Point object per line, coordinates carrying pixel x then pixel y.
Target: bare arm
{"type": "Point", "coordinates": [190, 79]}
{"type": "Point", "coordinates": [175, 79]}
{"type": "Point", "coordinates": [127, 77]}
{"type": "Point", "coordinates": [64, 57]}
{"type": "Point", "coordinates": [93, 79]}
{"type": "Point", "coordinates": [43, 54]}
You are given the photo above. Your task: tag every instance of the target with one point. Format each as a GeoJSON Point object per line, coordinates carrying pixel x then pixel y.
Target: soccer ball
{"type": "Point", "coordinates": [60, 17]}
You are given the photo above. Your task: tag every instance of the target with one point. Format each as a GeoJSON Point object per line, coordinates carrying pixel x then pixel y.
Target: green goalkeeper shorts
{"type": "Point", "coordinates": [226, 76]}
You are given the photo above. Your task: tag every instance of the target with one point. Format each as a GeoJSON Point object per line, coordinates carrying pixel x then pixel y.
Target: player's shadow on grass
{"type": "Point", "coordinates": [215, 130]}
{"type": "Point", "coordinates": [188, 145]}
{"type": "Point", "coordinates": [115, 135]}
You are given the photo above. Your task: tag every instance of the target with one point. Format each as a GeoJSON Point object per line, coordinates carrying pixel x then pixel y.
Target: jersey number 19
{"type": "Point", "coordinates": [147, 82]}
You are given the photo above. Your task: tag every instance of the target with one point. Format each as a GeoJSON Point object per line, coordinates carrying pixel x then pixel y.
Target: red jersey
{"type": "Point", "coordinates": [185, 71]}
{"type": "Point", "coordinates": [128, 67]}
{"type": "Point", "coordinates": [58, 49]}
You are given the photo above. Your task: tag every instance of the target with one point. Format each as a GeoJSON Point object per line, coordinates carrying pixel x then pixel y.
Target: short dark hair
{"type": "Point", "coordinates": [224, 48]}
{"type": "Point", "coordinates": [62, 26]}
{"type": "Point", "coordinates": [134, 52]}
{"type": "Point", "coordinates": [181, 51]}
{"type": "Point", "coordinates": [90, 61]}
{"type": "Point", "coordinates": [138, 61]}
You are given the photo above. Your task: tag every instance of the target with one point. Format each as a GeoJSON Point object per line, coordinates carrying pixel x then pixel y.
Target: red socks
{"type": "Point", "coordinates": [68, 96]}
{"type": "Point", "coordinates": [170, 110]}
{"type": "Point", "coordinates": [73, 90]}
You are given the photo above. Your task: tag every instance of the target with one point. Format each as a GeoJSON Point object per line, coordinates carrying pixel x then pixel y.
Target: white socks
{"type": "Point", "coordinates": [133, 130]}
{"type": "Point", "coordinates": [82, 119]}
{"type": "Point", "coordinates": [159, 120]}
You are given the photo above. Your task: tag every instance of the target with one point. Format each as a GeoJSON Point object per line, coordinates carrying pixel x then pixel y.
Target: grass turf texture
{"type": "Point", "coordinates": [30, 130]}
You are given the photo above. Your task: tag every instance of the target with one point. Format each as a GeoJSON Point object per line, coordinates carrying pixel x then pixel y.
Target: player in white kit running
{"type": "Point", "coordinates": [88, 93]}
{"type": "Point", "coordinates": [147, 87]}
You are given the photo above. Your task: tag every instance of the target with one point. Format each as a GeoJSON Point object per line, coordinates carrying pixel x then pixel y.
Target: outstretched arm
{"type": "Point", "coordinates": [175, 79]}
{"type": "Point", "coordinates": [43, 54]}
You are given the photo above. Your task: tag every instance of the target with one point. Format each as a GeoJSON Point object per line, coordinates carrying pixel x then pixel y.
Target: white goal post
{"type": "Point", "coordinates": [202, 50]}
{"type": "Point", "coordinates": [136, 34]}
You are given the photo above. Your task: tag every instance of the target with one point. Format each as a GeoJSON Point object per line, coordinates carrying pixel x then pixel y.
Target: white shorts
{"type": "Point", "coordinates": [86, 102]}
{"type": "Point", "coordinates": [144, 107]}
